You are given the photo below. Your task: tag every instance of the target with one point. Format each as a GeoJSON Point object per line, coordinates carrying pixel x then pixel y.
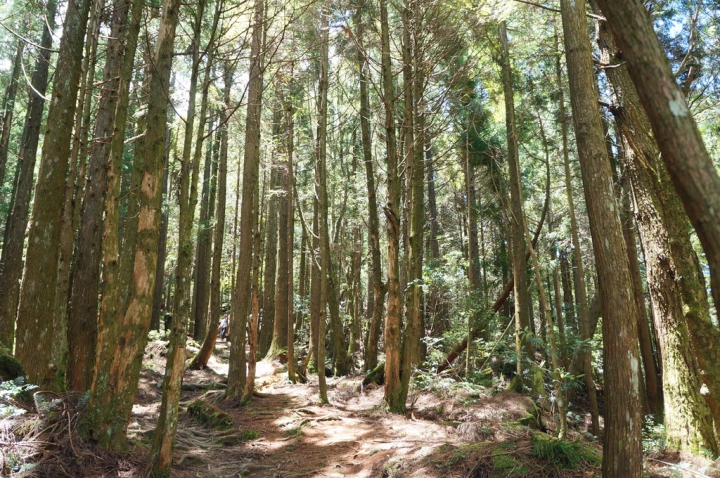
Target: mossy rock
{"type": "Point", "coordinates": [10, 368]}
{"type": "Point", "coordinates": [376, 376]}
{"type": "Point", "coordinates": [210, 415]}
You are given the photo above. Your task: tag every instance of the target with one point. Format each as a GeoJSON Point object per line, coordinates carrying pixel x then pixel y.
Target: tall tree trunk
{"type": "Point", "coordinates": [585, 333]}
{"type": "Point", "coordinates": [13, 245]}
{"type": "Point", "coordinates": [661, 222]}
{"type": "Point", "coordinates": [37, 294]}
{"type": "Point", "coordinates": [623, 419]}
{"type": "Point", "coordinates": [125, 316]}
{"type": "Point", "coordinates": [166, 429]}
{"type": "Point", "coordinates": [413, 83]}
{"type": "Point", "coordinates": [254, 304]}
{"type": "Point", "coordinates": [251, 166]}
{"type": "Point", "coordinates": [688, 163]}
{"type": "Point", "coordinates": [9, 107]}
{"type": "Point", "coordinates": [82, 320]}
{"type": "Point", "coordinates": [289, 180]}
{"type": "Point", "coordinates": [322, 197]}
{"type": "Point", "coordinates": [379, 290]}
{"type": "Point", "coordinates": [277, 330]}
{"type": "Point", "coordinates": [522, 305]}
{"type": "Point", "coordinates": [202, 358]}
{"type": "Point", "coordinates": [162, 242]}
{"type": "Point", "coordinates": [393, 319]}
{"type": "Point", "coordinates": [201, 274]}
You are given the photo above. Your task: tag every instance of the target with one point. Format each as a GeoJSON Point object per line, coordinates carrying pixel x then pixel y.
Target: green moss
{"type": "Point", "coordinates": [506, 465]}
{"type": "Point", "coordinates": [10, 368]}
{"type": "Point", "coordinates": [210, 415]}
{"type": "Point", "coordinates": [377, 375]}
{"type": "Point", "coordinates": [249, 435]}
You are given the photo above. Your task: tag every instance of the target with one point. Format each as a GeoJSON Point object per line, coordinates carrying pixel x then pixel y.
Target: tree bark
{"type": "Point", "coordinates": [623, 420]}
{"type": "Point", "coordinates": [522, 306]}
{"type": "Point", "coordinates": [9, 107]}
{"type": "Point", "coordinates": [38, 291]}
{"type": "Point", "coordinates": [379, 290]}
{"type": "Point", "coordinates": [13, 245]}
{"type": "Point", "coordinates": [688, 163]}
{"type": "Point", "coordinates": [688, 416]}
{"type": "Point", "coordinates": [251, 166]}
{"type": "Point", "coordinates": [82, 320]}
{"type": "Point", "coordinates": [125, 316]}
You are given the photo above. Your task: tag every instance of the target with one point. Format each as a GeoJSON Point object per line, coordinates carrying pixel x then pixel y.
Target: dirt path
{"type": "Point", "coordinates": [288, 433]}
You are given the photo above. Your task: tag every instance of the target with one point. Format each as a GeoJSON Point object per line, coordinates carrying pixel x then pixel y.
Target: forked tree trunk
{"type": "Point", "coordinates": [623, 418]}
{"type": "Point", "coordinates": [124, 321]}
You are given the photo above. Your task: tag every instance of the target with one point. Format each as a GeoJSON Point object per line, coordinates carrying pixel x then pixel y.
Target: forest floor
{"type": "Point", "coordinates": [285, 432]}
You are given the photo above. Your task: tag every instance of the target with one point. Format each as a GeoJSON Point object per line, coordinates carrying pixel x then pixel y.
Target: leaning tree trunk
{"type": "Point", "coordinates": [165, 432]}
{"type": "Point", "coordinates": [202, 358]}
{"type": "Point", "coordinates": [661, 222]}
{"type": "Point", "coordinates": [688, 163]}
{"type": "Point", "coordinates": [12, 252]}
{"type": "Point", "coordinates": [37, 294]}
{"type": "Point", "coordinates": [623, 418]}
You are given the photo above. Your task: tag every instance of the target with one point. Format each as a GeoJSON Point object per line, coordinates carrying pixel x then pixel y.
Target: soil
{"type": "Point", "coordinates": [285, 432]}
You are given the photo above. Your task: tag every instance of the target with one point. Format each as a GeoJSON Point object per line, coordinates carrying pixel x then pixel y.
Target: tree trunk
{"type": "Point", "coordinates": [375, 327]}
{"type": "Point", "coordinates": [202, 358]}
{"type": "Point", "coordinates": [688, 418]}
{"type": "Point", "coordinates": [251, 166]}
{"type": "Point", "coordinates": [82, 320]}
{"type": "Point", "coordinates": [166, 429]}
{"type": "Point", "coordinates": [522, 306]}
{"type": "Point", "coordinates": [585, 333]}
{"type": "Point", "coordinates": [623, 419]}
{"type": "Point", "coordinates": [38, 291]}
{"type": "Point", "coordinates": [12, 252]}
{"type": "Point", "coordinates": [393, 319]}
{"type": "Point", "coordinates": [9, 107]}
{"type": "Point", "coordinates": [158, 305]}
{"type": "Point", "coordinates": [276, 330]}
{"type": "Point", "coordinates": [124, 321]}
{"type": "Point", "coordinates": [688, 163]}
{"type": "Point", "coordinates": [322, 199]}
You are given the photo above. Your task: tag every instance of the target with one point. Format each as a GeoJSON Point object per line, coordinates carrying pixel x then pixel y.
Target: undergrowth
{"type": "Point", "coordinates": [564, 453]}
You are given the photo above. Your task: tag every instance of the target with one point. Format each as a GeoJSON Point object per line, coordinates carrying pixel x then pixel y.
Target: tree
{"type": "Point", "coordinates": [37, 294]}
{"type": "Point", "coordinates": [12, 252]}
{"type": "Point", "coordinates": [622, 441]}
{"type": "Point", "coordinates": [683, 151]}
{"type": "Point", "coordinates": [251, 165]}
